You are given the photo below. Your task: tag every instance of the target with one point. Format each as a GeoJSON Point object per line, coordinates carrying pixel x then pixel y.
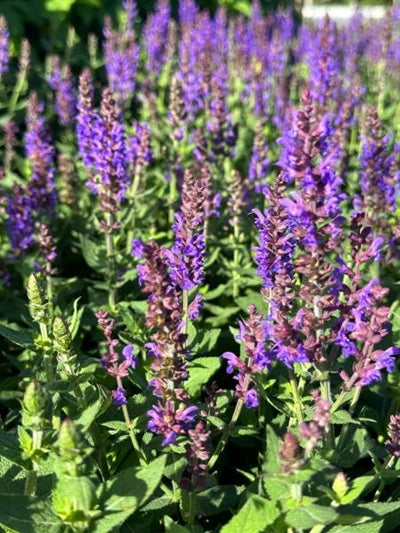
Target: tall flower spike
{"type": "Point", "coordinates": [87, 121]}
{"type": "Point", "coordinates": [40, 152]}
{"type": "Point", "coordinates": [102, 144]}
{"type": "Point", "coordinates": [20, 224]}
{"type": "Point", "coordinates": [60, 80]}
{"type": "Point", "coordinates": [379, 174]}
{"type": "Point", "coordinates": [4, 44]}
{"type": "Point", "coordinates": [156, 36]}
{"type": "Point", "coordinates": [121, 53]}
{"type": "Point", "coordinates": [259, 162]}
{"type": "Point", "coordinates": [47, 250]}
{"type": "Point", "coordinates": [112, 161]}
{"type": "Point", "coordinates": [170, 417]}
{"type": "Point", "coordinates": [186, 258]}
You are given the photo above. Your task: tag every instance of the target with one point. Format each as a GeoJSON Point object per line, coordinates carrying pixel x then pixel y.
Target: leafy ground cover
{"type": "Point", "coordinates": [199, 277]}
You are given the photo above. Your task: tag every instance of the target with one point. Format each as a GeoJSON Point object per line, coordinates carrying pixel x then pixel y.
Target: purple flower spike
{"type": "Point", "coordinates": [4, 43]}
{"type": "Point", "coordinates": [121, 53]}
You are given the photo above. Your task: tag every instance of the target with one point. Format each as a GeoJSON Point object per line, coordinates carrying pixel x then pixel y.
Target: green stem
{"type": "Point", "coordinates": [298, 408]}
{"type": "Point", "coordinates": [135, 185]}
{"type": "Point", "coordinates": [326, 394]}
{"type": "Point", "coordinates": [236, 260]}
{"type": "Point", "coordinates": [111, 261]}
{"type": "Point", "coordinates": [47, 356]}
{"type": "Point", "coordinates": [171, 200]}
{"type": "Point", "coordinates": [225, 435]}
{"type": "Point", "coordinates": [49, 288]}
{"type": "Point", "coordinates": [132, 436]}
{"type": "Point", "coordinates": [389, 462]}
{"type": "Point", "coordinates": [17, 91]}
{"type": "Point", "coordinates": [31, 478]}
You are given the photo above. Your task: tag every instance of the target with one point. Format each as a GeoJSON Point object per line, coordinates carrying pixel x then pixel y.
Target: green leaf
{"type": "Point", "coordinates": [342, 417]}
{"type": "Point", "coordinates": [255, 515]}
{"type": "Point", "coordinates": [122, 494]}
{"type": "Point", "coordinates": [11, 475]}
{"type": "Point", "coordinates": [89, 250]}
{"type": "Point", "coordinates": [368, 527]}
{"type": "Point", "coordinates": [204, 341]}
{"type": "Point", "coordinates": [358, 444]}
{"type": "Point", "coordinates": [217, 499]}
{"type": "Point", "coordinates": [253, 297]}
{"type": "Point", "coordinates": [242, 7]}
{"type": "Point", "coordinates": [307, 517]}
{"type": "Point", "coordinates": [10, 448]}
{"type": "Point", "coordinates": [175, 470]}
{"type": "Point", "coordinates": [23, 514]}
{"type": "Point", "coordinates": [276, 487]}
{"type": "Point", "coordinates": [271, 462]}
{"type": "Point", "coordinates": [200, 372]}
{"type": "Point", "coordinates": [76, 318]}
{"type": "Point", "coordinates": [173, 527]}
{"type": "Point", "coordinates": [357, 486]}
{"type": "Point", "coordinates": [116, 425]}
{"type": "Point", "coordinates": [20, 338]}
{"type": "Point", "coordinates": [59, 5]}
{"type": "Point", "coordinates": [92, 412]}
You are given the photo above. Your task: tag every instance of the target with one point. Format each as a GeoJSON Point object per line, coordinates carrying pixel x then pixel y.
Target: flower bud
{"type": "Point", "coordinates": [340, 485]}
{"type": "Point", "coordinates": [62, 336]}
{"type": "Point", "coordinates": [73, 499]}
{"type": "Point", "coordinates": [69, 440]}
{"type": "Point", "coordinates": [37, 299]}
{"type": "Point", "coordinates": [34, 406]}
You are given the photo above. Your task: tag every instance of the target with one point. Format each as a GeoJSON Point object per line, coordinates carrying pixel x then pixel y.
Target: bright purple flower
{"type": "Point", "coordinates": [138, 248]}
{"type": "Point", "coordinates": [233, 362]}
{"type": "Point", "coordinates": [119, 397]}
{"type": "Point", "coordinates": [251, 399]}
{"type": "Point", "coordinates": [195, 307]}
{"type": "Point", "coordinates": [170, 422]}
{"type": "Point", "coordinates": [129, 358]}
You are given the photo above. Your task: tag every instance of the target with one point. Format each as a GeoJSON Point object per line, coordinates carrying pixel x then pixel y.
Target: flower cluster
{"type": "Point", "coordinates": [121, 53]}
{"type": "Point", "coordinates": [40, 152]}
{"type": "Point", "coordinates": [102, 144]}
{"type": "Point", "coordinates": [61, 82]}
{"type": "Point", "coordinates": [252, 335]}
{"type": "Point", "coordinates": [186, 258]}
{"type": "Point", "coordinates": [171, 416]}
